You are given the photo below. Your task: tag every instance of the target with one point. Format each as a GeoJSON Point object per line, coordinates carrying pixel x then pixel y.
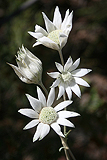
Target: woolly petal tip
{"type": "Point", "coordinates": [57, 129]}
{"type": "Point", "coordinates": [65, 122]}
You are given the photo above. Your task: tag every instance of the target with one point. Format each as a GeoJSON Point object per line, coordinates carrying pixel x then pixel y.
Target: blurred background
{"type": "Point", "coordinates": [87, 40]}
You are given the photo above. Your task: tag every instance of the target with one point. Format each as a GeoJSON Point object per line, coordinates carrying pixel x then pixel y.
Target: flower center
{"type": "Point", "coordinates": [48, 115]}
{"type": "Point", "coordinates": [54, 36]}
{"type": "Point", "coordinates": [66, 77]}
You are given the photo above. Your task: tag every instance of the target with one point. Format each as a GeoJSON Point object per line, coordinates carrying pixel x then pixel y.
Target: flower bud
{"type": "Point", "coordinates": [29, 68]}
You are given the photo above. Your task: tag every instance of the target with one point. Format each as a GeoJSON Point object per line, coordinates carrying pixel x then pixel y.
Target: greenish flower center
{"type": "Point", "coordinates": [54, 36]}
{"type": "Point", "coordinates": [48, 115]}
{"type": "Point", "coordinates": [66, 77]}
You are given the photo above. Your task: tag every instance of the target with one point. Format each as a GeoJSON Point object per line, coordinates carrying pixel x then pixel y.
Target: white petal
{"type": "Point", "coordinates": [69, 92]}
{"type": "Point", "coordinates": [56, 83]}
{"type": "Point", "coordinates": [74, 114]}
{"type": "Point", "coordinates": [61, 91]}
{"type": "Point", "coordinates": [75, 65]}
{"type": "Point", "coordinates": [48, 43]}
{"type": "Point", "coordinates": [31, 56]}
{"type": "Point", "coordinates": [57, 129]}
{"type": "Point", "coordinates": [62, 105]}
{"type": "Point", "coordinates": [62, 39]}
{"type": "Point", "coordinates": [51, 97]}
{"type": "Point", "coordinates": [68, 25]}
{"type": "Point", "coordinates": [65, 122]}
{"type": "Point", "coordinates": [81, 82]}
{"type": "Point", "coordinates": [36, 35]}
{"type": "Point", "coordinates": [67, 114]}
{"type": "Point", "coordinates": [49, 25]}
{"type": "Point", "coordinates": [20, 74]}
{"type": "Point", "coordinates": [29, 113]}
{"type": "Point", "coordinates": [54, 74]}
{"type": "Point", "coordinates": [35, 103]}
{"type": "Point", "coordinates": [63, 26]}
{"type": "Point", "coordinates": [31, 124]}
{"type": "Point", "coordinates": [57, 20]}
{"type": "Point", "coordinates": [64, 114]}
{"type": "Point", "coordinates": [40, 30]}
{"type": "Point", "coordinates": [38, 132]}
{"type": "Point", "coordinates": [81, 72]}
{"type": "Point", "coordinates": [24, 69]}
{"type": "Point", "coordinates": [45, 130]}
{"type": "Point", "coordinates": [75, 88]}
{"type": "Point", "coordinates": [41, 97]}
{"type": "Point", "coordinates": [37, 43]}
{"type": "Point", "coordinates": [59, 66]}
{"type": "Point", "coordinates": [68, 64]}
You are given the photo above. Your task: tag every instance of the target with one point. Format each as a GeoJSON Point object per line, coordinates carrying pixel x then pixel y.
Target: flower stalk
{"type": "Point", "coordinates": [43, 88]}
{"type": "Point", "coordinates": [67, 150]}
{"type": "Point", "coordinates": [61, 57]}
{"type": "Point", "coordinates": [64, 96]}
{"type": "Point", "coordinates": [64, 140]}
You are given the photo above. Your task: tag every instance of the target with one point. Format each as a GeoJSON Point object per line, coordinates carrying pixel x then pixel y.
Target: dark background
{"type": "Point", "coordinates": [87, 40]}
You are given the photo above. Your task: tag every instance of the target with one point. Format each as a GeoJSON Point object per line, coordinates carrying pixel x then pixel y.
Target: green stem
{"type": "Point", "coordinates": [63, 140]}
{"type": "Point", "coordinates": [61, 57]}
{"type": "Point", "coordinates": [44, 89]}
{"type": "Point", "coordinates": [64, 96]}
{"type": "Point", "coordinates": [67, 149]}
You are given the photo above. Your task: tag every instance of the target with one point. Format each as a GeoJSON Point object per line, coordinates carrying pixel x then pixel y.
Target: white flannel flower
{"type": "Point", "coordinates": [29, 68]}
{"type": "Point", "coordinates": [45, 116]}
{"type": "Point", "coordinates": [57, 31]}
{"type": "Point", "coordinates": [67, 79]}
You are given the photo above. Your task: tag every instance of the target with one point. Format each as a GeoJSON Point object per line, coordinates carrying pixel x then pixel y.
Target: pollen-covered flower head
{"type": "Point", "coordinates": [45, 116]}
{"type": "Point", "coordinates": [29, 68]}
{"type": "Point", "coordinates": [57, 31]}
{"type": "Point", "coordinates": [68, 78]}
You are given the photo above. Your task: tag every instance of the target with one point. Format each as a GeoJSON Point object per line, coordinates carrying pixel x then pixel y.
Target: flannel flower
{"type": "Point", "coordinates": [29, 68]}
{"type": "Point", "coordinates": [57, 31]}
{"type": "Point", "coordinates": [45, 116]}
{"type": "Point", "coordinates": [68, 78]}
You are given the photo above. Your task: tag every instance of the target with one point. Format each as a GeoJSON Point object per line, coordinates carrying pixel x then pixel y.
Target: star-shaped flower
{"type": "Point", "coordinates": [45, 116]}
{"type": "Point", "coordinates": [57, 31]}
{"type": "Point", "coordinates": [68, 78]}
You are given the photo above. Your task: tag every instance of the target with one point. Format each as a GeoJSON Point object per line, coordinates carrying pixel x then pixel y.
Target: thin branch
{"type": "Point", "coordinates": [67, 149]}
{"type": "Point", "coordinates": [44, 89]}
{"type": "Point", "coordinates": [61, 57]}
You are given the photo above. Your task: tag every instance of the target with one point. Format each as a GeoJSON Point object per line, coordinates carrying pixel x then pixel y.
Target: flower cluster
{"type": "Point", "coordinates": [44, 114]}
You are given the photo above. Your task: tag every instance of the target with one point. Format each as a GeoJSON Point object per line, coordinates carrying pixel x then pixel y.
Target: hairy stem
{"type": "Point", "coordinates": [67, 150]}
{"type": "Point", "coordinates": [44, 89]}
{"type": "Point", "coordinates": [61, 57]}
{"type": "Point", "coordinates": [64, 96]}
